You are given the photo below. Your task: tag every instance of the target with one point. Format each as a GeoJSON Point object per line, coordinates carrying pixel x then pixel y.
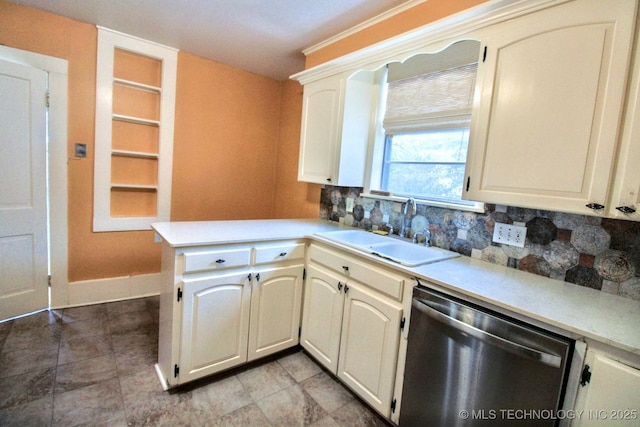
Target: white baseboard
{"type": "Point", "coordinates": [97, 291]}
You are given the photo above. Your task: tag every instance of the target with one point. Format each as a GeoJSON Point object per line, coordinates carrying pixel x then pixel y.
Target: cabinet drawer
{"type": "Point", "coordinates": [216, 259]}
{"type": "Point", "coordinates": [279, 252]}
{"type": "Point", "coordinates": [369, 274]}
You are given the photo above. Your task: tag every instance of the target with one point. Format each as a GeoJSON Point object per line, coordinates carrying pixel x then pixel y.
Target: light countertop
{"type": "Point", "coordinates": [607, 318]}
{"type": "Point", "coordinates": [198, 233]}
{"type": "Point", "coordinates": [582, 312]}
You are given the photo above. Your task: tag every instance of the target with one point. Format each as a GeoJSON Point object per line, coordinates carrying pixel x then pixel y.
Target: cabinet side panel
{"type": "Point", "coordinates": [169, 323]}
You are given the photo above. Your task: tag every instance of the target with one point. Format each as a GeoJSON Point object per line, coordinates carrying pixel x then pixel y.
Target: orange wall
{"type": "Point", "coordinates": [293, 199]}
{"type": "Point", "coordinates": [422, 14]}
{"type": "Point", "coordinates": [225, 146]}
{"type": "Point", "coordinates": [225, 133]}
{"type": "Point", "coordinates": [236, 136]}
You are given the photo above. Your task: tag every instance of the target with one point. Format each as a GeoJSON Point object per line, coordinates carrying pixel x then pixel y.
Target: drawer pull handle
{"type": "Point", "coordinates": [595, 206]}
{"type": "Point", "coordinates": [626, 209]}
{"type": "Point", "coordinates": [345, 267]}
{"type": "Point", "coordinates": [220, 261]}
{"type": "Point", "coordinates": [283, 254]}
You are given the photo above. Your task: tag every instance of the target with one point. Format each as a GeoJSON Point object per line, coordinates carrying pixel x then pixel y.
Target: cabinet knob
{"type": "Point", "coordinates": [283, 254]}
{"type": "Point", "coordinates": [626, 209]}
{"type": "Point", "coordinates": [595, 206]}
{"type": "Point", "coordinates": [329, 179]}
{"type": "Point", "coordinates": [339, 286]}
{"type": "Point", "coordinates": [345, 267]}
{"type": "Point", "coordinates": [220, 261]}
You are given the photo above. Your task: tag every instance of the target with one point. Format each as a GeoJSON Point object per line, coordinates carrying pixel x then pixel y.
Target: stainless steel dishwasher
{"type": "Point", "coordinates": [470, 367]}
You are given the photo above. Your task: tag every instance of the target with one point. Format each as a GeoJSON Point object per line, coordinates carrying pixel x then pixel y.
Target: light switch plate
{"type": "Point", "coordinates": [509, 234]}
{"type": "Point", "coordinates": [81, 150]}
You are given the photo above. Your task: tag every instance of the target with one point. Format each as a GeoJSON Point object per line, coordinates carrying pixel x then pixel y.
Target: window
{"type": "Point", "coordinates": [426, 165]}
{"type": "Point", "coordinates": [427, 116]}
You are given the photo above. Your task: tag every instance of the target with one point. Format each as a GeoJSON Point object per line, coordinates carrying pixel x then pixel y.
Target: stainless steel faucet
{"type": "Point", "coordinates": [427, 237]}
{"type": "Point", "coordinates": [409, 209]}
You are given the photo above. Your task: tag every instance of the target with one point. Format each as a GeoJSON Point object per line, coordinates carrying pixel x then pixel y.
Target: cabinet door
{"type": "Point", "coordinates": [215, 316]}
{"type": "Point", "coordinates": [322, 318]}
{"type": "Point", "coordinates": [276, 299]}
{"type": "Point", "coordinates": [625, 201]}
{"type": "Point", "coordinates": [369, 346]}
{"type": "Point", "coordinates": [321, 109]}
{"type": "Point", "coordinates": [549, 103]}
{"type": "Point", "coordinates": [611, 397]}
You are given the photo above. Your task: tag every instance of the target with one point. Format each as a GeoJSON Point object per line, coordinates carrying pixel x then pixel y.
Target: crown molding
{"type": "Point", "coordinates": [366, 24]}
{"type": "Point", "coordinates": [432, 37]}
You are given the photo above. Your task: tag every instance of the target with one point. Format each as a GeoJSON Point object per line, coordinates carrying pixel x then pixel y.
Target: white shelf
{"type": "Point", "coordinates": [136, 154]}
{"type": "Point", "coordinates": [134, 187]}
{"type": "Point", "coordinates": [136, 120]}
{"type": "Point", "coordinates": [136, 85]}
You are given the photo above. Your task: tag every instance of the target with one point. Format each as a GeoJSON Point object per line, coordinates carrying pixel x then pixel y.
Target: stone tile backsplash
{"type": "Point", "coordinates": [603, 254]}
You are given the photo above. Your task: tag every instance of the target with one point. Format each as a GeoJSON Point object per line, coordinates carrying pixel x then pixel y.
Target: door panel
{"type": "Point", "coordinates": [369, 346]}
{"type": "Point", "coordinates": [23, 191]}
{"type": "Point", "coordinates": [322, 319]}
{"type": "Point", "coordinates": [215, 325]}
{"type": "Point", "coordinates": [275, 310]}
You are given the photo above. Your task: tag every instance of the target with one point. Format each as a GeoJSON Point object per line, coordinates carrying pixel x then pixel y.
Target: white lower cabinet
{"type": "Point", "coordinates": [222, 306]}
{"type": "Point", "coordinates": [276, 300]}
{"type": "Point", "coordinates": [215, 324]}
{"type": "Point", "coordinates": [610, 395]}
{"type": "Point", "coordinates": [352, 328]}
{"type": "Point", "coordinates": [322, 316]}
{"type": "Point", "coordinates": [369, 345]}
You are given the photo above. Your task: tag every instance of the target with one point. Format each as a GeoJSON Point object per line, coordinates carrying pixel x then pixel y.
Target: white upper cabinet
{"type": "Point", "coordinates": [548, 107]}
{"type": "Point", "coordinates": [335, 129]}
{"type": "Point", "coordinates": [625, 198]}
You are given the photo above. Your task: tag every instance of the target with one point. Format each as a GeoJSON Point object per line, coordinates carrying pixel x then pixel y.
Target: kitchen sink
{"type": "Point", "coordinates": [399, 251]}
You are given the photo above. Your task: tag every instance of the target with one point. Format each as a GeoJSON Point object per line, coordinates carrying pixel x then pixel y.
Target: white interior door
{"type": "Point", "coordinates": [23, 190]}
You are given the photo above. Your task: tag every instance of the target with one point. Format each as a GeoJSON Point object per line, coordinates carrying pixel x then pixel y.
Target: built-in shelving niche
{"type": "Point", "coordinates": [134, 132]}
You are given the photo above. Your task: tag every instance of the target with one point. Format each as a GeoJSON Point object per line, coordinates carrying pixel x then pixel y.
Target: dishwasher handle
{"type": "Point", "coordinates": [507, 345]}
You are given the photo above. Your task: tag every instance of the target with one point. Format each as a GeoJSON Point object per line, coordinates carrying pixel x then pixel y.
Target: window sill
{"type": "Point", "coordinates": [475, 207]}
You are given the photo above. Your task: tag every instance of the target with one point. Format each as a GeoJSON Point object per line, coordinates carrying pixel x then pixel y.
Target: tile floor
{"type": "Point", "coordinates": [94, 366]}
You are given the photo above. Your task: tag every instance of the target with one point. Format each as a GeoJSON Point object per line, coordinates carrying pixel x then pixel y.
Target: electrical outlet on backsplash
{"type": "Point", "coordinates": [598, 253]}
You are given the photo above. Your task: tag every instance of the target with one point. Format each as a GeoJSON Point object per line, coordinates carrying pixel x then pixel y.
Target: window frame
{"type": "Point", "coordinates": [376, 157]}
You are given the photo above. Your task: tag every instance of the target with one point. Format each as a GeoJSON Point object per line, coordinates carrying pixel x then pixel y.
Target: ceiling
{"type": "Point", "coordinates": [261, 36]}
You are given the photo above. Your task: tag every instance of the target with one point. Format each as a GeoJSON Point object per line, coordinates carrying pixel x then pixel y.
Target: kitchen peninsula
{"type": "Point", "coordinates": [219, 268]}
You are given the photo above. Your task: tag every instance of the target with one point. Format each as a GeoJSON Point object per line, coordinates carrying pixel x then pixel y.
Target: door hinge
{"type": "Point", "coordinates": [299, 331]}
{"type": "Point", "coordinates": [304, 274]}
{"type": "Point", "coordinates": [468, 182]}
{"type": "Point", "coordinates": [47, 99]}
{"type": "Point", "coordinates": [393, 406]}
{"type": "Point", "coordinates": [585, 378]}
{"type": "Point", "coordinates": [179, 294]}
{"type": "Point", "coordinates": [176, 371]}
{"type": "Point", "coordinates": [49, 280]}
{"type": "Point", "coordinates": [484, 54]}
{"type": "Point", "coordinates": [402, 322]}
